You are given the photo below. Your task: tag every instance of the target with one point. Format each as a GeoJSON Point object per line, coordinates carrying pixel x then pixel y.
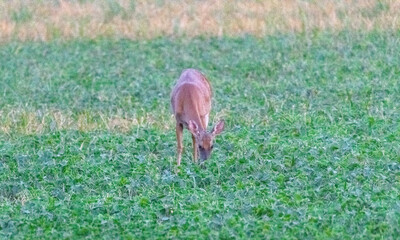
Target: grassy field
{"type": "Point", "coordinates": [311, 146]}
{"type": "Point", "coordinates": [144, 19]}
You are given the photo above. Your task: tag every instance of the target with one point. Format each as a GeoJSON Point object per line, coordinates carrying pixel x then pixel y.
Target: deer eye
{"type": "Point", "coordinates": [212, 147]}
{"type": "Point", "coordinates": [201, 147]}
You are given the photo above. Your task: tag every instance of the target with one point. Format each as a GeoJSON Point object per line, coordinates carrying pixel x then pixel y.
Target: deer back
{"type": "Point", "coordinates": [191, 98]}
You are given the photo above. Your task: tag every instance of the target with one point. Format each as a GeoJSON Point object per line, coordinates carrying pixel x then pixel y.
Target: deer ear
{"type": "Point", "coordinates": [193, 128]}
{"type": "Point", "coordinates": [219, 127]}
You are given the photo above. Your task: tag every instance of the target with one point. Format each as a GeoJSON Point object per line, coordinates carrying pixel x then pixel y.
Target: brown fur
{"type": "Point", "coordinates": [191, 105]}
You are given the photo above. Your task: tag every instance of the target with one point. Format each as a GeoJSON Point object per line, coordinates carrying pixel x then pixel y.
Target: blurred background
{"type": "Point", "coordinates": [142, 19]}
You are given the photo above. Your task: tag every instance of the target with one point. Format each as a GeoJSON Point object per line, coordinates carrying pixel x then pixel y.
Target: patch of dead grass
{"type": "Point", "coordinates": [144, 19]}
{"type": "Point", "coordinates": [37, 122]}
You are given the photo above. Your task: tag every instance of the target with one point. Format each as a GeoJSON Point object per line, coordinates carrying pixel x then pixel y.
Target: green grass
{"type": "Point", "coordinates": [311, 146]}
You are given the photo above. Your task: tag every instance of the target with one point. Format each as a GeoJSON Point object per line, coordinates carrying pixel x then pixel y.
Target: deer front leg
{"type": "Point", "coordinates": [194, 149]}
{"type": "Point", "coordinates": [179, 131]}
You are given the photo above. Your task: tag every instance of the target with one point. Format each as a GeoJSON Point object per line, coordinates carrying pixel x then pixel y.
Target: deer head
{"type": "Point", "coordinates": [205, 139]}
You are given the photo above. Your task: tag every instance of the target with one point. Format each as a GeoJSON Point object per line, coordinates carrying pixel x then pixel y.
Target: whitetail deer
{"type": "Point", "coordinates": [191, 105]}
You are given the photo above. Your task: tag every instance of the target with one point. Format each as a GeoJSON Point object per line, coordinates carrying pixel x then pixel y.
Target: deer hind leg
{"type": "Point", "coordinates": [194, 149]}
{"type": "Point", "coordinates": [179, 132]}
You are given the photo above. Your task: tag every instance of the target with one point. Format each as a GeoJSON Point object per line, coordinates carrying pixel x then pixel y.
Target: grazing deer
{"type": "Point", "coordinates": [191, 105]}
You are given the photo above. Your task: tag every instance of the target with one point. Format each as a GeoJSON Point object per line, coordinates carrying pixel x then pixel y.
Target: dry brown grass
{"type": "Point", "coordinates": [142, 19]}
{"type": "Point", "coordinates": [37, 122]}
